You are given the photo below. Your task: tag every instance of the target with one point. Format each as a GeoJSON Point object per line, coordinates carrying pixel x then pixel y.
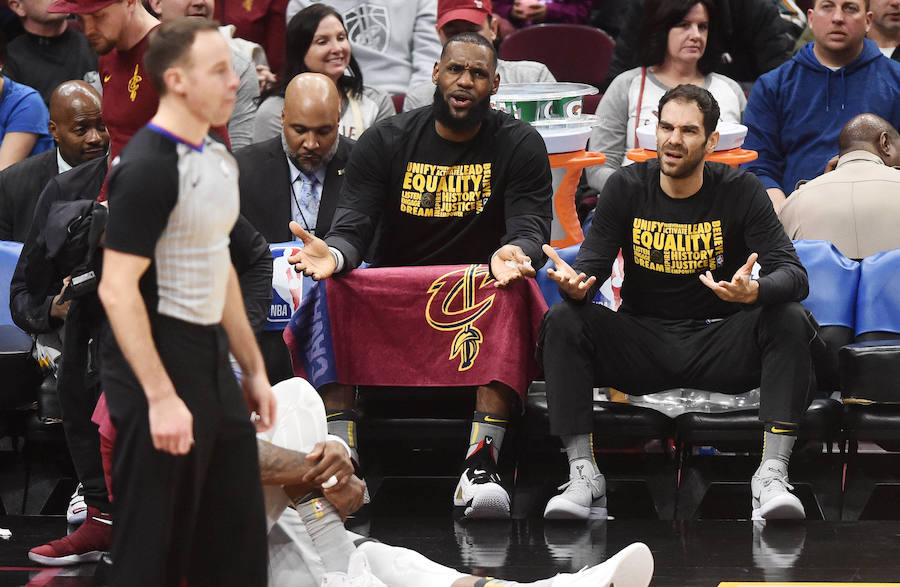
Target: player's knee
{"type": "Point", "coordinates": [789, 319]}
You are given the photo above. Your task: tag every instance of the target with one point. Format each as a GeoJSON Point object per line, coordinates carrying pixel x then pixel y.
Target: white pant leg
{"type": "Point", "coordinates": [401, 567]}
{"type": "Point", "coordinates": [299, 425]}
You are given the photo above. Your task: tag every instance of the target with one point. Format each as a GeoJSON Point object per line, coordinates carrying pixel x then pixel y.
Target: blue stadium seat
{"type": "Point", "coordinates": [833, 280]}
{"type": "Point", "coordinates": [870, 386]}
{"type": "Point", "coordinates": [17, 367]}
{"type": "Point", "coordinates": [870, 368]}
{"type": "Point", "coordinates": [878, 306]}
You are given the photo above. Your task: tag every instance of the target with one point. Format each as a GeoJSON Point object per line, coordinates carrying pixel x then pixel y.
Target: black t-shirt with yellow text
{"type": "Point", "coordinates": [667, 243]}
{"type": "Point", "coordinates": [443, 202]}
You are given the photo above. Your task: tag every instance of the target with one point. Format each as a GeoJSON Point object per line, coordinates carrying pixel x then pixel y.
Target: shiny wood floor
{"type": "Point", "coordinates": [701, 553]}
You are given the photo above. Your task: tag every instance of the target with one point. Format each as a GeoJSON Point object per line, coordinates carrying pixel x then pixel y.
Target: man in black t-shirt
{"type": "Point", "coordinates": [453, 183]}
{"type": "Point", "coordinates": [691, 314]}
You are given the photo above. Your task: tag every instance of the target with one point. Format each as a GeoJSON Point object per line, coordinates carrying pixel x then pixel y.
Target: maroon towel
{"type": "Point", "coordinates": [418, 326]}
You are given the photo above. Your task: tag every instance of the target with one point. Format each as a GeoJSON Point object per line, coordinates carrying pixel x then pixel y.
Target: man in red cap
{"type": "Point", "coordinates": [117, 31]}
{"type": "Point", "coordinates": [474, 16]}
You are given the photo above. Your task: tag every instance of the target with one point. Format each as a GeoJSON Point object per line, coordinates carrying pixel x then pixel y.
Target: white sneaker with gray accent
{"type": "Point", "coordinates": [771, 494]}
{"type": "Point", "coordinates": [582, 497]}
{"type": "Point", "coordinates": [630, 567]}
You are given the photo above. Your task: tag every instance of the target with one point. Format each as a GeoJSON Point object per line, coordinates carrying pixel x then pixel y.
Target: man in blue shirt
{"type": "Point", "coordinates": [796, 111]}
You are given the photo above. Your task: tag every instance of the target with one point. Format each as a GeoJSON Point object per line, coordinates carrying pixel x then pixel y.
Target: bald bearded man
{"type": "Point", "coordinates": [76, 125]}
{"type": "Point", "coordinates": [296, 176]}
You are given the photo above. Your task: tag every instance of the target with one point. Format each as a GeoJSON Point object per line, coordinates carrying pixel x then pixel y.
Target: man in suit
{"type": "Point", "coordinates": [297, 176]}
{"type": "Point", "coordinates": [76, 124]}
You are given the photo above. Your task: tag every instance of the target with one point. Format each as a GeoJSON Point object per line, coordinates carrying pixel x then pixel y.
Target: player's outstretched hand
{"type": "Point", "coordinates": [171, 424]}
{"type": "Point", "coordinates": [331, 460]}
{"type": "Point", "coordinates": [260, 399]}
{"type": "Point", "coordinates": [509, 264]}
{"type": "Point", "coordinates": [314, 259]}
{"type": "Point", "coordinates": [575, 285]}
{"type": "Point", "coordinates": [741, 289]}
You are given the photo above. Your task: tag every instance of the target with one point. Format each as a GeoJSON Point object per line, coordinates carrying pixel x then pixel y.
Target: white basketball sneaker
{"type": "Point", "coordinates": [772, 498]}
{"type": "Point", "coordinates": [583, 497]}
{"type": "Point", "coordinates": [479, 492]}
{"type": "Point", "coordinates": [630, 567]}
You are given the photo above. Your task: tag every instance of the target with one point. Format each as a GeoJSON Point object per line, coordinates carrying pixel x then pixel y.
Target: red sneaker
{"type": "Point", "coordinates": [85, 545]}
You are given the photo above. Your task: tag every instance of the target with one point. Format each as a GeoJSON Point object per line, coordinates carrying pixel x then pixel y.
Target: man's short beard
{"type": "Point", "coordinates": [476, 115]}
{"type": "Point", "coordinates": [305, 168]}
{"type": "Point", "coordinates": [684, 170]}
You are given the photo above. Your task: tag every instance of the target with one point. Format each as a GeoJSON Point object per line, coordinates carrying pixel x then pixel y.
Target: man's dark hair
{"type": "Point", "coordinates": [472, 39]}
{"type": "Point", "coordinates": [701, 97]}
{"type": "Point", "coordinates": [297, 39]}
{"type": "Point", "coordinates": [660, 16]}
{"type": "Point", "coordinates": [170, 43]}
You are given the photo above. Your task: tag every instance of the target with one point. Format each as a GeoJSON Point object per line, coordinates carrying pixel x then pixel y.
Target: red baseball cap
{"type": "Point", "coordinates": [79, 6]}
{"type": "Point", "coordinates": [474, 11]}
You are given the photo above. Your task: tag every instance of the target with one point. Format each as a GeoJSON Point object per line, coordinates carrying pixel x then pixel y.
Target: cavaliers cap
{"type": "Point", "coordinates": [79, 6]}
{"type": "Point", "coordinates": [474, 11]}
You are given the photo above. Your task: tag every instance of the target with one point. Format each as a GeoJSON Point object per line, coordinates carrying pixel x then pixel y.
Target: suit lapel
{"type": "Point", "coordinates": [279, 194]}
{"type": "Point", "coordinates": [331, 190]}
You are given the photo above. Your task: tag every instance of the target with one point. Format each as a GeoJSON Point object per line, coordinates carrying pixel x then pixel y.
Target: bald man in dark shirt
{"type": "Point", "coordinates": [76, 124]}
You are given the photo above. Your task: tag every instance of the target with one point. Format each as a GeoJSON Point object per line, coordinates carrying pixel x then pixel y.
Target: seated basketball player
{"type": "Point", "coordinates": [308, 542]}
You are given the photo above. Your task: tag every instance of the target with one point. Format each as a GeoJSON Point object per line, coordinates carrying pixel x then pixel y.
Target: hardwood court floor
{"type": "Point", "coordinates": [701, 553]}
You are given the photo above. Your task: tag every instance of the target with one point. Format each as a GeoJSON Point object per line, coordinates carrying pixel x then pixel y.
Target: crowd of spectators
{"type": "Point", "coordinates": [817, 90]}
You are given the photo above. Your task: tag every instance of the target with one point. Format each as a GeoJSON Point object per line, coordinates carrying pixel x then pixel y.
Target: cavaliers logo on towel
{"type": "Point", "coordinates": [456, 302]}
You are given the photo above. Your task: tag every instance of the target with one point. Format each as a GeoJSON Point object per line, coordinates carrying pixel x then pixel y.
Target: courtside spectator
{"type": "Point", "coordinates": [753, 36]}
{"type": "Point", "coordinates": [23, 123]}
{"type": "Point", "coordinates": [296, 176]}
{"type": "Point", "coordinates": [117, 31]}
{"type": "Point", "coordinates": [317, 41]}
{"type": "Point", "coordinates": [677, 47]}
{"type": "Point", "coordinates": [795, 113]}
{"type": "Point", "coordinates": [240, 125]}
{"type": "Point", "coordinates": [885, 30]}
{"type": "Point", "coordinates": [856, 206]}
{"type": "Point", "coordinates": [522, 13]}
{"type": "Point", "coordinates": [462, 16]}
{"type": "Point", "coordinates": [49, 52]}
{"type": "Point", "coordinates": [393, 40]}
{"type": "Point", "coordinates": [259, 21]}
{"type": "Point", "coordinates": [76, 126]}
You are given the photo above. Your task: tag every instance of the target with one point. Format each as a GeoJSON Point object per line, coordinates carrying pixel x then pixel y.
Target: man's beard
{"type": "Point", "coordinates": [309, 169]}
{"type": "Point", "coordinates": [686, 167]}
{"type": "Point", "coordinates": [476, 115]}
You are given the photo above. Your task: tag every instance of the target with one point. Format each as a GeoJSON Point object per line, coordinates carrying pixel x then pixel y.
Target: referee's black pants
{"type": "Point", "coordinates": [587, 345]}
{"type": "Point", "coordinates": [198, 516]}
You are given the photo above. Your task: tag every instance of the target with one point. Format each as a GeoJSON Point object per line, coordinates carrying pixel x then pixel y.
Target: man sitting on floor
{"type": "Point", "coordinates": [691, 315]}
{"type": "Point", "coordinates": [308, 541]}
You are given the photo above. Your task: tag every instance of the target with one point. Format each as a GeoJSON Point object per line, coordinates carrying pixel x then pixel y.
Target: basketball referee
{"type": "Point", "coordinates": [186, 475]}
